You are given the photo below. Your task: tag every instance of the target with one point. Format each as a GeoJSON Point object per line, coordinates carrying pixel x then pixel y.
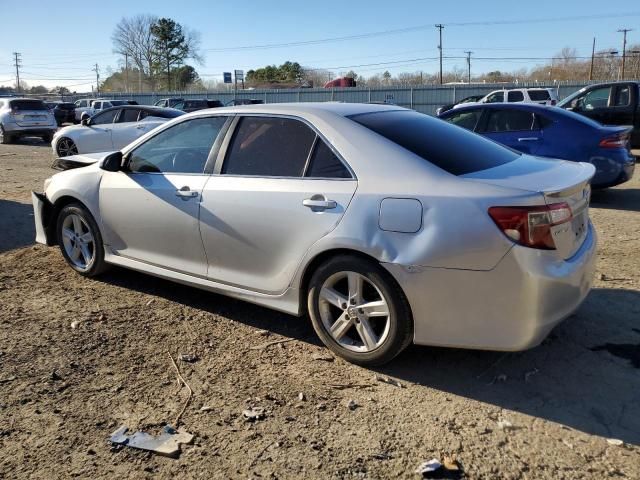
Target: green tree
{"type": "Point", "coordinates": [185, 75]}
{"type": "Point", "coordinates": [172, 45]}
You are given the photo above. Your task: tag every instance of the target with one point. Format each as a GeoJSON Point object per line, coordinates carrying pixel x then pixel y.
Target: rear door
{"type": "Point", "coordinates": [515, 96]}
{"type": "Point", "coordinates": [623, 104]}
{"type": "Point", "coordinates": [126, 128]}
{"type": "Point", "coordinates": [277, 189]}
{"type": "Point", "coordinates": [518, 129]}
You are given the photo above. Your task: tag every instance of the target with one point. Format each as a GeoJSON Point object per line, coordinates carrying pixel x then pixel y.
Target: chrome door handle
{"type": "Point", "coordinates": [317, 203]}
{"type": "Point", "coordinates": [186, 192]}
{"type": "Point", "coordinates": [528, 139]}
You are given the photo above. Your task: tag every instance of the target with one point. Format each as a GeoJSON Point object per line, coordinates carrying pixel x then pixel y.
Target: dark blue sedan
{"type": "Point", "coordinates": [553, 132]}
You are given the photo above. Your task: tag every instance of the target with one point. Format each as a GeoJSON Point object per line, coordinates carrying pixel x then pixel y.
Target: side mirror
{"type": "Point", "coordinates": [84, 119]}
{"type": "Point", "coordinates": [112, 162]}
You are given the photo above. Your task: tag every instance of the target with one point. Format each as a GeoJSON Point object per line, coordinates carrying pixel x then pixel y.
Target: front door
{"type": "Point", "coordinates": [280, 189]}
{"type": "Point", "coordinates": [150, 211]}
{"type": "Point", "coordinates": [96, 137]}
{"type": "Point", "coordinates": [594, 104]}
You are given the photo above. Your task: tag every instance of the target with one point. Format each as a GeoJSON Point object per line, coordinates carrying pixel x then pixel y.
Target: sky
{"type": "Point", "coordinates": [61, 46]}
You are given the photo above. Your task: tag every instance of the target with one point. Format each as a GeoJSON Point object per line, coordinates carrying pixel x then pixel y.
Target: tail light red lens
{"type": "Point", "coordinates": [531, 226]}
{"type": "Point", "coordinates": [615, 141]}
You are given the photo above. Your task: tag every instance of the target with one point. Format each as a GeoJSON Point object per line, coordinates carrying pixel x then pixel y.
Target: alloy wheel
{"type": "Point", "coordinates": [66, 147]}
{"type": "Point", "coordinates": [78, 242]}
{"type": "Point", "coordinates": [354, 312]}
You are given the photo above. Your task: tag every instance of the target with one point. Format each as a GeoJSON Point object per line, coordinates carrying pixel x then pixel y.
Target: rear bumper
{"type": "Point", "coordinates": [512, 307]}
{"type": "Point", "coordinates": [612, 171]}
{"type": "Point", "coordinates": [17, 130]}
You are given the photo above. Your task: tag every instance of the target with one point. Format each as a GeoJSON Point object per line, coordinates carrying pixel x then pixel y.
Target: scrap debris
{"type": "Point", "coordinates": [254, 413]}
{"type": "Point", "coordinates": [388, 380]}
{"type": "Point", "coordinates": [182, 380]}
{"type": "Point", "coordinates": [167, 443]}
{"type": "Point", "coordinates": [188, 357]}
{"type": "Point", "coordinates": [615, 442]}
{"type": "Point", "coordinates": [449, 468]}
{"type": "Point", "coordinates": [263, 346]}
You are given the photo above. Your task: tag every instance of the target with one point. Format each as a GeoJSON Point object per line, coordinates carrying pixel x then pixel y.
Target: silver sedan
{"type": "Point", "coordinates": [384, 225]}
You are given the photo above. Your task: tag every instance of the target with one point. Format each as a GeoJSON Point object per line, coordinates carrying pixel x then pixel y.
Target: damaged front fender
{"type": "Point", "coordinates": [42, 214]}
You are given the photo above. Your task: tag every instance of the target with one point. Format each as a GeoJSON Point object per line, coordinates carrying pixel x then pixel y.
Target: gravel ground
{"type": "Point", "coordinates": [80, 357]}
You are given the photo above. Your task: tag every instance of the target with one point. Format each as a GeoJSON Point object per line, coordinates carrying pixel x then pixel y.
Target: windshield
{"type": "Point", "coordinates": [451, 148]}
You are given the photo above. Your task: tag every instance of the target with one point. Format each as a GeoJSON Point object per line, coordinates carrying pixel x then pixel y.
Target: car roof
{"type": "Point", "coordinates": [302, 109]}
{"type": "Point", "coordinates": [532, 107]}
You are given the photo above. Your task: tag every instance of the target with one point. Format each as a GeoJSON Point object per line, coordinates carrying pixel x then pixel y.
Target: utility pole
{"type": "Point", "coordinates": [468, 66]}
{"type": "Point", "coordinates": [97, 70]}
{"type": "Point", "coordinates": [624, 47]}
{"type": "Point", "coordinates": [593, 54]}
{"type": "Point", "coordinates": [440, 26]}
{"type": "Point", "coordinates": [17, 63]}
{"type": "Point", "coordinates": [126, 72]}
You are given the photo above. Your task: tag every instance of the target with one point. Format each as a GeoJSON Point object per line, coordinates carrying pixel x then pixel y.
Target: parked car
{"type": "Point", "coordinates": [167, 102]}
{"type": "Point", "coordinates": [615, 103]}
{"type": "Point", "coordinates": [110, 129]}
{"type": "Point", "coordinates": [83, 105]}
{"type": "Point", "coordinates": [553, 132]}
{"type": "Point", "coordinates": [64, 112]}
{"type": "Point", "coordinates": [199, 104]}
{"type": "Point", "coordinates": [449, 106]}
{"type": "Point", "coordinates": [244, 101]}
{"type": "Point", "coordinates": [341, 82]}
{"type": "Point", "coordinates": [543, 96]}
{"type": "Point", "coordinates": [25, 117]}
{"type": "Point", "coordinates": [383, 234]}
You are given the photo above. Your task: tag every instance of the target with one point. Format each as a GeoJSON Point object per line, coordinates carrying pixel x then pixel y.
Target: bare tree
{"type": "Point", "coordinates": [132, 37]}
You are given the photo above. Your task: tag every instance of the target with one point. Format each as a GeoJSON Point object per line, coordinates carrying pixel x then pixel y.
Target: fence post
{"type": "Point", "coordinates": [454, 94]}
{"type": "Point", "coordinates": [411, 98]}
{"type": "Point", "coordinates": [369, 94]}
{"type": "Point", "coordinates": [332, 94]}
{"type": "Point", "coordinates": [298, 96]}
{"type": "Point", "coordinates": [265, 97]}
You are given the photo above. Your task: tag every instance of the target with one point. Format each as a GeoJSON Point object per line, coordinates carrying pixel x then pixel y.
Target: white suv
{"type": "Point", "coordinates": [543, 96]}
{"type": "Point", "coordinates": [25, 117]}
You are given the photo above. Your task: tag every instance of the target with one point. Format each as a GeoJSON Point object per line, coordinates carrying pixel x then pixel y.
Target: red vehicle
{"type": "Point", "coordinates": [341, 82]}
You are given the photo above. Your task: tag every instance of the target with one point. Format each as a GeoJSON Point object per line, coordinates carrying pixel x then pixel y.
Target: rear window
{"type": "Point", "coordinates": [27, 105]}
{"type": "Point", "coordinates": [539, 95]}
{"type": "Point", "coordinates": [453, 149]}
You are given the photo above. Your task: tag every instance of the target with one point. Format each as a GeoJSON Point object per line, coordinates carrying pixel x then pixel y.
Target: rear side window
{"type": "Point", "coordinates": [325, 164]}
{"type": "Point", "coordinates": [452, 149]}
{"type": "Point", "coordinates": [269, 147]}
{"type": "Point", "coordinates": [622, 98]}
{"type": "Point", "coordinates": [27, 105]}
{"type": "Point", "coordinates": [129, 115]}
{"type": "Point", "coordinates": [539, 95]}
{"type": "Point", "coordinates": [515, 96]}
{"type": "Point", "coordinates": [466, 119]}
{"type": "Point", "coordinates": [509, 121]}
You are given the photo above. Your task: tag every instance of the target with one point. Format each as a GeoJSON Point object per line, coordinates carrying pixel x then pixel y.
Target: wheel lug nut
{"type": "Point", "coordinates": [344, 306]}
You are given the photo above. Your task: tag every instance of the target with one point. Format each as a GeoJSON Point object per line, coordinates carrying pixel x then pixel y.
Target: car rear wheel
{"type": "Point", "coordinates": [66, 147]}
{"type": "Point", "coordinates": [80, 240]}
{"type": "Point", "coordinates": [359, 311]}
{"type": "Point", "coordinates": [5, 138]}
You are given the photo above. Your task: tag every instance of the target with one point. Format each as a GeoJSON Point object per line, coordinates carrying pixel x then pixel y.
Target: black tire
{"type": "Point", "coordinates": [5, 138]}
{"type": "Point", "coordinates": [97, 265]}
{"type": "Point", "coordinates": [65, 147]}
{"type": "Point", "coordinates": [400, 328]}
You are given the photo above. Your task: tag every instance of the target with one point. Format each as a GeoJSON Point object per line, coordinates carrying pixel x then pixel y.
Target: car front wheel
{"type": "Point", "coordinates": [5, 138]}
{"type": "Point", "coordinates": [66, 147]}
{"type": "Point", "coordinates": [359, 311]}
{"type": "Point", "coordinates": [80, 240]}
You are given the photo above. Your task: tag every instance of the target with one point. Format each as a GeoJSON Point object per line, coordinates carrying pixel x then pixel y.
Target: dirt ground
{"type": "Point", "coordinates": [79, 358]}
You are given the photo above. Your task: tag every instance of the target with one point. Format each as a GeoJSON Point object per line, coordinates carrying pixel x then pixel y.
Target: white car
{"type": "Point", "coordinates": [543, 96]}
{"type": "Point", "coordinates": [111, 129]}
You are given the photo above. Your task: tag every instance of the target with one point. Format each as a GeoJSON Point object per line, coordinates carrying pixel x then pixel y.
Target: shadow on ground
{"type": "Point", "coordinates": [574, 378]}
{"type": "Point", "coordinates": [617, 199]}
{"type": "Point", "coordinates": [16, 225]}
{"type": "Point", "coordinates": [31, 141]}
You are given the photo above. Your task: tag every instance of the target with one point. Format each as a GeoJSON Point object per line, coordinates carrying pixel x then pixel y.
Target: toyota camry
{"type": "Point", "coordinates": [383, 225]}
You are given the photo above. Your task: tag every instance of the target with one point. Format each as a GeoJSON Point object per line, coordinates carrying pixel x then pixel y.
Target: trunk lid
{"type": "Point", "coordinates": [558, 181]}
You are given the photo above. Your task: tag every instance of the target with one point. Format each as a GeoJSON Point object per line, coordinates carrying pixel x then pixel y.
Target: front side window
{"type": "Point", "coordinates": [452, 149]}
{"type": "Point", "coordinates": [182, 148]}
{"type": "Point", "coordinates": [516, 96]}
{"type": "Point", "coordinates": [509, 121]}
{"type": "Point", "coordinates": [467, 119]}
{"type": "Point", "coordinates": [269, 147]}
{"type": "Point", "coordinates": [496, 97]}
{"type": "Point", "coordinates": [104, 117]}
{"type": "Point", "coordinates": [596, 98]}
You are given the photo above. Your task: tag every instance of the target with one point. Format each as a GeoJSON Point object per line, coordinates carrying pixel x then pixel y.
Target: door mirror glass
{"type": "Point", "coordinates": [112, 162]}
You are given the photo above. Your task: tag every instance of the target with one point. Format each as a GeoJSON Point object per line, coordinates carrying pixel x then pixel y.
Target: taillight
{"type": "Point", "coordinates": [531, 226]}
{"type": "Point", "coordinates": [615, 141]}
